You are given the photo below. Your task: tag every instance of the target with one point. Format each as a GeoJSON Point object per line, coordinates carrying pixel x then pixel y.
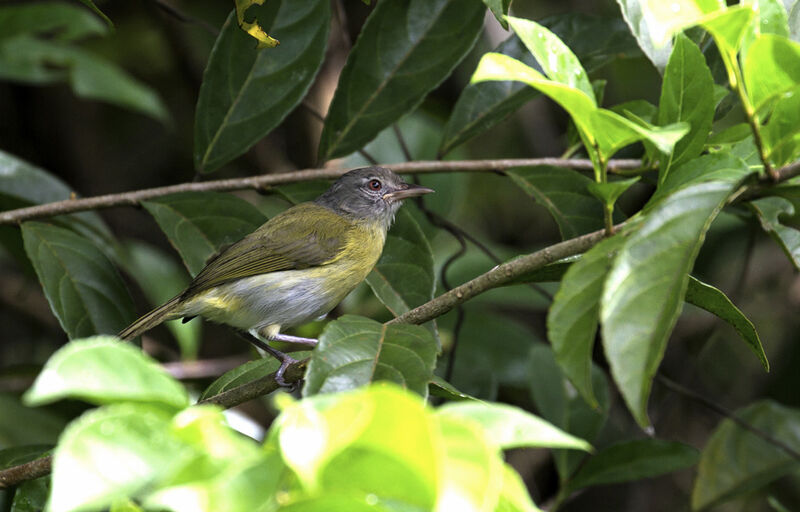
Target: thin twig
{"type": "Point", "coordinates": [722, 411]}
{"type": "Point", "coordinates": [264, 181]}
{"type": "Point", "coordinates": [15, 475]}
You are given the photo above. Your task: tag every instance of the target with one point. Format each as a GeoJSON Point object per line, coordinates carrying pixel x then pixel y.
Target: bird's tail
{"type": "Point", "coordinates": [151, 319]}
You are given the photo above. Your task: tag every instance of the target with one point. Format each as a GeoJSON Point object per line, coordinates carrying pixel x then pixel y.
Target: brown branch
{"type": "Point", "coordinates": [15, 475]}
{"type": "Point", "coordinates": [262, 182]}
{"type": "Point", "coordinates": [499, 276]}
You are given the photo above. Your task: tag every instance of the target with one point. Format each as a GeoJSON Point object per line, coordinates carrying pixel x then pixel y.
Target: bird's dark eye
{"type": "Point", "coordinates": [375, 185]}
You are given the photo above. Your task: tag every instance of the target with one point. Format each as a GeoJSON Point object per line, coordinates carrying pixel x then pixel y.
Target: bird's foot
{"type": "Point", "coordinates": [284, 359]}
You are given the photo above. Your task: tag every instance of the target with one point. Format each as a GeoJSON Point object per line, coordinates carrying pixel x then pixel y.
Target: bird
{"type": "Point", "coordinates": [296, 267]}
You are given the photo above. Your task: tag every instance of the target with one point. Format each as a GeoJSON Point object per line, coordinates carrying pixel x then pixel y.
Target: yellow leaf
{"type": "Point", "coordinates": [253, 28]}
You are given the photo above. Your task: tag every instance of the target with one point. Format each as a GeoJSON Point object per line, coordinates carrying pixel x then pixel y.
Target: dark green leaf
{"type": "Point", "coordinates": [22, 454]}
{"type": "Point", "coordinates": [769, 211]}
{"type": "Point", "coordinates": [103, 370]}
{"type": "Point", "coordinates": [246, 93]}
{"type": "Point", "coordinates": [565, 193]}
{"type": "Point", "coordinates": [715, 302]}
{"type": "Point", "coordinates": [161, 278]}
{"type": "Point", "coordinates": [303, 191]}
{"type": "Point", "coordinates": [199, 224]}
{"type": "Point", "coordinates": [61, 20]}
{"type": "Point", "coordinates": [405, 49]}
{"type": "Point", "coordinates": [644, 290]}
{"type": "Point", "coordinates": [403, 277]}
{"type": "Point", "coordinates": [443, 389]}
{"type": "Point", "coordinates": [735, 460]}
{"type": "Point", "coordinates": [37, 61]}
{"type": "Point", "coordinates": [84, 289]}
{"type": "Point", "coordinates": [573, 318]}
{"type": "Point", "coordinates": [31, 496]}
{"type": "Point", "coordinates": [90, 4]}
{"type": "Point", "coordinates": [558, 404]}
{"type": "Point", "coordinates": [687, 95]}
{"type": "Point", "coordinates": [354, 351]}
{"type": "Point", "coordinates": [634, 460]}
{"type": "Point", "coordinates": [512, 427]}
{"type": "Point", "coordinates": [499, 8]}
{"type": "Point", "coordinates": [21, 425]}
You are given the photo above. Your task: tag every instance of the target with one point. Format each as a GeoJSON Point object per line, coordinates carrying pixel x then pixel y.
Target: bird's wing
{"type": "Point", "coordinates": [309, 235]}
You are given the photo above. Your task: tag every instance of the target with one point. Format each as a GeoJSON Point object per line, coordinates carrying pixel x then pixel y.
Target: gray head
{"type": "Point", "coordinates": [369, 193]}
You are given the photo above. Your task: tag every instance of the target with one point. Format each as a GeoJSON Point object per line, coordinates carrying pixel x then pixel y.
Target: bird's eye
{"type": "Point", "coordinates": [375, 185]}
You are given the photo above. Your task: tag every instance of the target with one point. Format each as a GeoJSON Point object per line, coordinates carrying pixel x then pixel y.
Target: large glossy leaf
{"type": "Point", "coordinates": [514, 497]}
{"type": "Point", "coordinates": [403, 277]}
{"type": "Point", "coordinates": [354, 351]}
{"type": "Point", "coordinates": [573, 318]}
{"type": "Point", "coordinates": [405, 49]}
{"type": "Point", "coordinates": [161, 277]}
{"type": "Point", "coordinates": [735, 460]}
{"type": "Point", "coordinates": [511, 427]}
{"type": "Point", "coordinates": [565, 194]}
{"type": "Point", "coordinates": [83, 288]}
{"type": "Point", "coordinates": [102, 370]}
{"type": "Point", "coordinates": [772, 67]}
{"type": "Point", "coordinates": [687, 94]}
{"type": "Point", "coordinates": [722, 166]}
{"type": "Point", "coordinates": [199, 224]}
{"type": "Point", "coordinates": [769, 211]}
{"type": "Point", "coordinates": [31, 496]}
{"type": "Point", "coordinates": [644, 290]}
{"type": "Point", "coordinates": [40, 61]}
{"type": "Point", "coordinates": [247, 92]}
{"type": "Point", "coordinates": [595, 41]}
{"type": "Point", "coordinates": [557, 403]}
{"type": "Point", "coordinates": [781, 134]}
{"type": "Point", "coordinates": [634, 13]}
{"type": "Point", "coordinates": [715, 302]}
{"type": "Point", "coordinates": [634, 460]}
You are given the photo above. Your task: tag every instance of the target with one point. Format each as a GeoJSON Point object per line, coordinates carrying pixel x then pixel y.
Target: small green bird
{"type": "Point", "coordinates": [297, 266]}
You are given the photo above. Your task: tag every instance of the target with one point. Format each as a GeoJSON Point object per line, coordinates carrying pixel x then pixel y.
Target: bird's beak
{"type": "Point", "coordinates": [407, 190]}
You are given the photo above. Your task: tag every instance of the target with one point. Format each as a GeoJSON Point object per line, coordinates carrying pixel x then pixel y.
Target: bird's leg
{"type": "Point", "coordinates": [284, 359]}
{"type": "Point", "coordinates": [302, 343]}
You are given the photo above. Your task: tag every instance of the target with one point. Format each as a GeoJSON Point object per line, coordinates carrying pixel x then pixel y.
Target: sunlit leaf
{"type": "Point", "coordinates": [254, 29]}
{"type": "Point", "coordinates": [772, 67]}
{"type": "Point", "coordinates": [102, 370]}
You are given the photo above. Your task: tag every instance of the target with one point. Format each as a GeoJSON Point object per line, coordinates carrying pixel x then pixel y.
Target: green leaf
{"type": "Point", "coordinates": [199, 224]}
{"type": "Point", "coordinates": [161, 278]}
{"type": "Point", "coordinates": [427, 38]}
{"type": "Point", "coordinates": [246, 93]}
{"type": "Point", "coordinates": [721, 166]}
{"type": "Point", "coordinates": [511, 427]}
{"type": "Point", "coordinates": [557, 403]}
{"type": "Point", "coordinates": [770, 18]}
{"type": "Point", "coordinates": [735, 461]}
{"type": "Point", "coordinates": [41, 61]}
{"type": "Point", "coordinates": [687, 95]}
{"type": "Point", "coordinates": [634, 460]}
{"type": "Point", "coordinates": [104, 370]}
{"type": "Point", "coordinates": [83, 288]}
{"type": "Point", "coordinates": [354, 351]}
{"type": "Point", "coordinates": [61, 20]}
{"type": "Point", "coordinates": [613, 132]}
{"type": "Point", "coordinates": [23, 184]}
{"type": "Point", "coordinates": [31, 496]}
{"type": "Point", "coordinates": [644, 28]}
{"type": "Point", "coordinates": [717, 303]}
{"type": "Point", "coordinates": [643, 293]}
{"type": "Point", "coordinates": [557, 60]}
{"type": "Point", "coordinates": [248, 372]}
{"type": "Point", "coordinates": [610, 191]}
{"type": "Point", "coordinates": [781, 134]}
{"type": "Point", "coordinates": [514, 496]}
{"type": "Point", "coordinates": [596, 42]}
{"type": "Point", "coordinates": [573, 318]}
{"type": "Point", "coordinates": [566, 196]}
{"type": "Point", "coordinates": [499, 8]}
{"type": "Point", "coordinates": [21, 425]}
{"type": "Point", "coordinates": [769, 211]}
{"type": "Point", "coordinates": [91, 5]}
{"type": "Point", "coordinates": [21, 454]}
{"type": "Point", "coordinates": [403, 277]}
{"type": "Point", "coordinates": [771, 68]}
{"type": "Point", "coordinates": [549, 273]}
{"type": "Point", "coordinates": [443, 389]}
{"type": "Point", "coordinates": [254, 29]}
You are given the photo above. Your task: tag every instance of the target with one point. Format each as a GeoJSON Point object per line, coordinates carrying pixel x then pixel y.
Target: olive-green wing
{"type": "Point", "coordinates": [304, 236]}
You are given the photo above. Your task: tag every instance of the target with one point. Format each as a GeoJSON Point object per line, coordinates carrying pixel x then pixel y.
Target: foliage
{"type": "Point", "coordinates": [718, 156]}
